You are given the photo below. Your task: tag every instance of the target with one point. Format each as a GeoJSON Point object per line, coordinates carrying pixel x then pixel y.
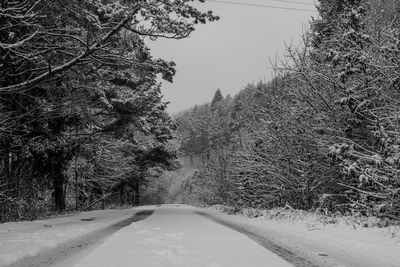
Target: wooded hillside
{"type": "Point", "coordinates": [324, 134]}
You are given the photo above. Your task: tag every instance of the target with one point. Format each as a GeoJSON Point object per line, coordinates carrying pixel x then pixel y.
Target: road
{"type": "Point", "coordinates": [178, 235]}
{"type": "Point", "coordinates": [175, 235]}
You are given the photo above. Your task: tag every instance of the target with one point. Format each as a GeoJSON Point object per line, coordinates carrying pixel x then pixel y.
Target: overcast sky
{"type": "Point", "coordinates": [232, 52]}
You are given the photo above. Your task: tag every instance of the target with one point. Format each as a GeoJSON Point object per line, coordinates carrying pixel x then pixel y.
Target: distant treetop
{"type": "Point", "coordinates": [217, 98]}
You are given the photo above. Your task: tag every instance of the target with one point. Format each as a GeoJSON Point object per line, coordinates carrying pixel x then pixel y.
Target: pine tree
{"type": "Point", "coordinates": [78, 72]}
{"type": "Point", "coordinates": [216, 100]}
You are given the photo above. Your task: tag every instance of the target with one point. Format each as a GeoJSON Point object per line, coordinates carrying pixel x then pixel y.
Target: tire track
{"type": "Point", "coordinates": [282, 252]}
{"type": "Point", "coordinates": [70, 248]}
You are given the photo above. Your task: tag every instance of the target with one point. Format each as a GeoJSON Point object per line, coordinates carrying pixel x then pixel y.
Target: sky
{"type": "Point", "coordinates": [232, 52]}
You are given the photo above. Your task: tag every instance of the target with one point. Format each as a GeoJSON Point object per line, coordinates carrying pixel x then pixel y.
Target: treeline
{"type": "Point", "coordinates": [81, 115]}
{"type": "Point", "coordinates": [324, 134]}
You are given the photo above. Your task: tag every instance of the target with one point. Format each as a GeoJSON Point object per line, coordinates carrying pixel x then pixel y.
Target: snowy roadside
{"type": "Point", "coordinates": [336, 244]}
{"type": "Point", "coordinates": [19, 240]}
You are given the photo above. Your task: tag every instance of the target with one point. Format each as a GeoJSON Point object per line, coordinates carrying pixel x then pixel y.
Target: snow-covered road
{"type": "Point", "coordinates": [177, 236]}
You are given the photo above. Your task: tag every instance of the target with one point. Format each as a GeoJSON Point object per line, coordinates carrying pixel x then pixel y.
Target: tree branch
{"type": "Point", "coordinates": [73, 62]}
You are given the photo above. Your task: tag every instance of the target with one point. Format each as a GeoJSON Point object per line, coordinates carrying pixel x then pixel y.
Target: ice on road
{"type": "Point", "coordinates": [176, 236]}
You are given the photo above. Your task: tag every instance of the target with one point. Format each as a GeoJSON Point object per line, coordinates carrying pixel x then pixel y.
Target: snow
{"type": "Point", "coordinates": [22, 239]}
{"type": "Point", "coordinates": [329, 245]}
{"type": "Point", "coordinates": [176, 236]}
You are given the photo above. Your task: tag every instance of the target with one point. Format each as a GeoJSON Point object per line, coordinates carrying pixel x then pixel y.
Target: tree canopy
{"type": "Point", "coordinates": [81, 112]}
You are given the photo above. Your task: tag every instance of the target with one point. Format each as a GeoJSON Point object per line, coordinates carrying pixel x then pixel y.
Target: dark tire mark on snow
{"type": "Point", "coordinates": [64, 251]}
{"type": "Point", "coordinates": [282, 252]}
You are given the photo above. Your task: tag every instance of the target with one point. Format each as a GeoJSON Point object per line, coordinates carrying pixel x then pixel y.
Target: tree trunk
{"type": "Point", "coordinates": [58, 183]}
{"type": "Point", "coordinates": [7, 165]}
{"type": "Point", "coordinates": [121, 194]}
{"type": "Point", "coordinates": [58, 162]}
{"type": "Point", "coordinates": [137, 193]}
{"type": "Point", "coordinates": [76, 184]}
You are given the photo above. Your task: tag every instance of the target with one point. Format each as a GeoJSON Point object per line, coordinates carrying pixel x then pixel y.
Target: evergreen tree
{"type": "Point", "coordinates": [216, 100]}
{"type": "Point", "coordinates": [75, 74]}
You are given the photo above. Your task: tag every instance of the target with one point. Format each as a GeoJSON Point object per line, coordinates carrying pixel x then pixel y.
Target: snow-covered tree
{"type": "Point", "coordinates": [73, 72]}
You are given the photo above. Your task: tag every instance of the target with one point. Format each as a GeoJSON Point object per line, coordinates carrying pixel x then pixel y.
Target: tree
{"type": "Point", "coordinates": [347, 69]}
{"type": "Point", "coordinates": [322, 135]}
{"type": "Point", "coordinates": [73, 73]}
{"type": "Point", "coordinates": [216, 100]}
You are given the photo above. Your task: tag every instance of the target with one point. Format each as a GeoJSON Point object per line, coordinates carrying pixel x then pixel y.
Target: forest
{"type": "Point", "coordinates": [82, 122]}
{"type": "Point", "coordinates": [323, 135]}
